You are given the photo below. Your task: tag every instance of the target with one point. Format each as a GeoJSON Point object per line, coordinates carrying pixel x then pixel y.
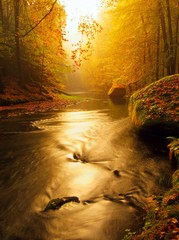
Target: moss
{"type": "Point", "coordinates": [154, 108]}
{"type": "Point", "coordinates": [156, 104]}
{"type": "Point", "coordinates": [175, 179]}
{"type": "Point", "coordinates": [71, 97]}
{"type": "Point", "coordinates": [162, 219]}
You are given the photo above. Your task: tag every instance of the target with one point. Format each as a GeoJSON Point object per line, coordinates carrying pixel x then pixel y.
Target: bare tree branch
{"type": "Point", "coordinates": [51, 9]}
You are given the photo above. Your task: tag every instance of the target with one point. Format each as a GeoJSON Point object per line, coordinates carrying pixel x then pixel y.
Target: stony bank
{"type": "Point", "coordinates": [155, 110]}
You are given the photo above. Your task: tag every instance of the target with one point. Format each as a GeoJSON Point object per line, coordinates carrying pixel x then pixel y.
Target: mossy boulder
{"type": "Point", "coordinates": [155, 107]}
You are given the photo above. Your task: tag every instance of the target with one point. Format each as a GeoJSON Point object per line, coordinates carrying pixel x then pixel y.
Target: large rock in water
{"type": "Point", "coordinates": [155, 107]}
{"type": "Point", "coordinates": [117, 91]}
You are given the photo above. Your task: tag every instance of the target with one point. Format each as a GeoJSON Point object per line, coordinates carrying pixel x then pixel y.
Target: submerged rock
{"type": "Point", "coordinates": [55, 204]}
{"type": "Point", "coordinates": [155, 106]}
{"type": "Point", "coordinates": [80, 158]}
{"type": "Point", "coordinates": [116, 173]}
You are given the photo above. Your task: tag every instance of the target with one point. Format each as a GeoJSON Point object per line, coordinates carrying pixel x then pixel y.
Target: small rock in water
{"type": "Point", "coordinates": [55, 204]}
{"type": "Point", "coordinates": [116, 173]}
{"type": "Point", "coordinates": [88, 202]}
{"type": "Point", "coordinates": [76, 156]}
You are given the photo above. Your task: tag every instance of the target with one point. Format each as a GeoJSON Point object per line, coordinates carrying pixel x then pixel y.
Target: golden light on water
{"type": "Point", "coordinates": [81, 122]}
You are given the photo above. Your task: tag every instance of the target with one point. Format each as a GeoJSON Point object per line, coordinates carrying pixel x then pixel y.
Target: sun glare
{"type": "Point", "coordinates": [76, 9]}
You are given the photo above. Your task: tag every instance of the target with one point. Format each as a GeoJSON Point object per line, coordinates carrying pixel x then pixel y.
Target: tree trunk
{"type": "Point", "coordinates": [165, 38]}
{"type": "Point", "coordinates": [147, 48]}
{"type": "Point", "coordinates": [9, 14]}
{"type": "Point", "coordinates": [171, 59]}
{"type": "Point", "coordinates": [158, 53]}
{"type": "Point", "coordinates": [144, 59]}
{"type": "Point", "coordinates": [42, 71]}
{"type": "Point", "coordinates": [176, 46]}
{"type": "Point", "coordinates": [2, 16]}
{"type": "Point", "coordinates": [17, 40]}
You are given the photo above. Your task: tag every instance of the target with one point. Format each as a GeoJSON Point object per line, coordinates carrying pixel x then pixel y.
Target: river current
{"type": "Point", "coordinates": [89, 150]}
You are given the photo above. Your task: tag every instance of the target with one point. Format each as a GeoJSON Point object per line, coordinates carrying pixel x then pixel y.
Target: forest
{"type": "Point", "coordinates": [131, 42]}
{"type": "Point", "coordinates": [138, 43]}
{"type": "Point", "coordinates": [31, 51]}
{"type": "Point", "coordinates": [77, 163]}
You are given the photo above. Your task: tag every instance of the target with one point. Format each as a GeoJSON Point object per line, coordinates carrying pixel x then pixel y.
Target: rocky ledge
{"type": "Point", "coordinates": [155, 106]}
{"type": "Point", "coordinates": [154, 110]}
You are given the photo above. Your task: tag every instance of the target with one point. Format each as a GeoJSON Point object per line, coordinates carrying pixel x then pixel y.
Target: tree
{"type": "Point", "coordinates": [27, 27]}
{"type": "Point", "coordinates": [138, 44]}
{"type": "Point", "coordinates": [17, 39]}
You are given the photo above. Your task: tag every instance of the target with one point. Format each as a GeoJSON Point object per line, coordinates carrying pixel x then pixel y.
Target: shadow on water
{"type": "Point", "coordinates": [119, 101]}
{"type": "Point", "coordinates": [89, 151]}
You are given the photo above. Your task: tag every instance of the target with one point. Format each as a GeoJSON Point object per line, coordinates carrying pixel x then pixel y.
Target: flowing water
{"type": "Point", "coordinates": [90, 151]}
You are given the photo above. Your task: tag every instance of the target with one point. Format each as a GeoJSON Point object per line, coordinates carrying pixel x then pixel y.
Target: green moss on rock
{"type": "Point", "coordinates": [154, 108]}
{"type": "Point", "coordinates": [156, 104]}
{"type": "Point", "coordinates": [162, 219]}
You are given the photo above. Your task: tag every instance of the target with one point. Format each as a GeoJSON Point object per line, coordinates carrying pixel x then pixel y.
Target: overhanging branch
{"type": "Point", "coordinates": [51, 9]}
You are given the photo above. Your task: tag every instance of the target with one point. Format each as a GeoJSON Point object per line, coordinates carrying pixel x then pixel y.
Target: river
{"type": "Point", "coordinates": [89, 150]}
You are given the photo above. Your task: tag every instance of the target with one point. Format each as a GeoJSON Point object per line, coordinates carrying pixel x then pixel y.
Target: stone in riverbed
{"type": "Point", "coordinates": [117, 91]}
{"type": "Point", "coordinates": [55, 204]}
{"type": "Point", "coordinates": [116, 173]}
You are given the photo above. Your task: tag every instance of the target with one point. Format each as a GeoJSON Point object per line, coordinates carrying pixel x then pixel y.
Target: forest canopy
{"type": "Point", "coordinates": [139, 43]}
{"type": "Point", "coordinates": [130, 42]}
{"type": "Point", "coordinates": [31, 41]}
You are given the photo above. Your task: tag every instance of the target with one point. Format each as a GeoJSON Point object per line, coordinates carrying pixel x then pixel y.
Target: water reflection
{"type": "Point", "coordinates": [91, 154]}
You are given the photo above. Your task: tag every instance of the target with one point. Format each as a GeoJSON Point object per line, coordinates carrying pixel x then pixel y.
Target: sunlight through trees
{"type": "Point", "coordinates": [126, 41]}
{"type": "Point", "coordinates": [139, 43]}
{"type": "Point", "coordinates": [31, 40]}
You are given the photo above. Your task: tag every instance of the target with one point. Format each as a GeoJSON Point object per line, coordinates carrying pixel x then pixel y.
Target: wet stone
{"type": "Point", "coordinates": [116, 173]}
{"type": "Point", "coordinates": [57, 203]}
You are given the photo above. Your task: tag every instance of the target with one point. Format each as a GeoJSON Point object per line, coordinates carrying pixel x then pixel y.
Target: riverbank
{"type": "Point", "coordinates": [162, 218]}
{"type": "Point", "coordinates": [39, 106]}
{"type": "Point", "coordinates": [162, 211]}
{"type": "Point", "coordinates": [15, 100]}
{"type": "Point", "coordinates": [154, 111]}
